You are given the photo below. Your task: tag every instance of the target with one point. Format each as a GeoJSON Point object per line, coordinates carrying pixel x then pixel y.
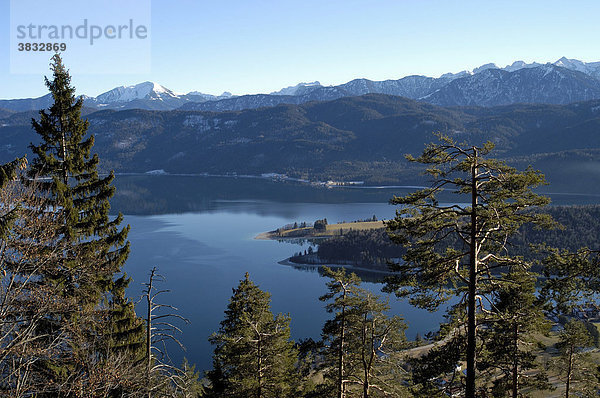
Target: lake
{"type": "Point", "coordinates": [199, 232]}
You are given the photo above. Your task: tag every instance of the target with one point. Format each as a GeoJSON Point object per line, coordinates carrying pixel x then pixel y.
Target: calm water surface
{"type": "Point", "coordinates": [202, 240]}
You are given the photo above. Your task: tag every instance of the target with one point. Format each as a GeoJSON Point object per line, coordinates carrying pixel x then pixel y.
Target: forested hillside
{"type": "Point", "coordinates": [373, 248]}
{"type": "Point", "coordinates": [358, 138]}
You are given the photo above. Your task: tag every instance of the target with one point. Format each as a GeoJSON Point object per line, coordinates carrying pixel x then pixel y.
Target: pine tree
{"type": "Point", "coordinates": [254, 356]}
{"type": "Point", "coordinates": [64, 157]}
{"type": "Point", "coordinates": [440, 363]}
{"type": "Point", "coordinates": [509, 345]}
{"type": "Point", "coordinates": [376, 343]}
{"type": "Point", "coordinates": [572, 279]}
{"type": "Point", "coordinates": [95, 246]}
{"type": "Point", "coordinates": [362, 343]}
{"type": "Point", "coordinates": [571, 284]}
{"type": "Point", "coordinates": [341, 288]}
{"type": "Point", "coordinates": [126, 332]}
{"type": "Point", "coordinates": [189, 384]}
{"type": "Point", "coordinates": [578, 371]}
{"type": "Point", "coordinates": [459, 250]}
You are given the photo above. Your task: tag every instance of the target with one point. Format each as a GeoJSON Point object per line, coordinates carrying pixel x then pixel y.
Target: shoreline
{"type": "Point", "coordinates": [326, 184]}
{"type": "Point", "coordinates": [264, 236]}
{"type": "Point", "coordinates": [275, 177]}
{"type": "Point", "coordinates": [350, 267]}
{"type": "Point", "coordinates": [330, 231]}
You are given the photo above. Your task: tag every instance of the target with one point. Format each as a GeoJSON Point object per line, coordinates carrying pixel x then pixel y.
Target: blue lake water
{"type": "Point", "coordinates": [202, 241]}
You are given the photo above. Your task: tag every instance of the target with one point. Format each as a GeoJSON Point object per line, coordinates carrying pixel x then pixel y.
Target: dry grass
{"type": "Point", "coordinates": [332, 229]}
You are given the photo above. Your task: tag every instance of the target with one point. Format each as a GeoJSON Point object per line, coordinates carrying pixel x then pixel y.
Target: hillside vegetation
{"type": "Point", "coordinates": [356, 138]}
{"type": "Point", "coordinates": [371, 248]}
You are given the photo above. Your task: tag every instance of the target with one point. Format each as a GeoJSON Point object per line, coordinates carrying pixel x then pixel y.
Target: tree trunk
{"type": "Point", "coordinates": [63, 149]}
{"type": "Point", "coordinates": [149, 333]}
{"type": "Point", "coordinates": [364, 359]}
{"type": "Point", "coordinates": [260, 370]}
{"type": "Point", "coordinates": [471, 323]}
{"type": "Point", "coordinates": [515, 372]}
{"type": "Point", "coordinates": [569, 371]}
{"type": "Point", "coordinates": [341, 352]}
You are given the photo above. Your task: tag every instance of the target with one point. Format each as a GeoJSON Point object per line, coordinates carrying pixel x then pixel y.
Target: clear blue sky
{"type": "Point", "coordinates": [262, 45]}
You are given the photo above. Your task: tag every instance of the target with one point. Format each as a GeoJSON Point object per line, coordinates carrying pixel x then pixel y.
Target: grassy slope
{"type": "Point", "coordinates": [331, 230]}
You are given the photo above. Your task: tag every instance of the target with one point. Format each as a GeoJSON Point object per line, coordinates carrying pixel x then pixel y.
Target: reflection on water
{"type": "Point", "coordinates": [177, 194]}
{"type": "Point", "coordinates": [200, 233]}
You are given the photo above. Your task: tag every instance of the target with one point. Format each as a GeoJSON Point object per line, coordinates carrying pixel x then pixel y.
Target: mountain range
{"type": "Point", "coordinates": [354, 138]}
{"type": "Point", "coordinates": [562, 82]}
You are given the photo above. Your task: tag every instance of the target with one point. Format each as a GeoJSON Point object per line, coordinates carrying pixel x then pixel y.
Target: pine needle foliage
{"type": "Point", "coordinates": [253, 355]}
{"type": "Point", "coordinates": [104, 330]}
{"type": "Point", "coordinates": [462, 250]}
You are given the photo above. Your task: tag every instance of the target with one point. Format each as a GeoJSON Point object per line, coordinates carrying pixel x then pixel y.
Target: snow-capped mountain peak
{"type": "Point", "coordinates": [563, 81]}
{"type": "Point", "coordinates": [485, 67]}
{"type": "Point", "coordinates": [589, 68]}
{"type": "Point", "coordinates": [573, 64]}
{"type": "Point", "coordinates": [146, 90]}
{"type": "Point", "coordinates": [520, 65]}
{"type": "Point", "coordinates": [209, 97]}
{"type": "Point", "coordinates": [298, 89]}
{"type": "Point", "coordinates": [157, 88]}
{"type": "Point", "coordinates": [452, 76]}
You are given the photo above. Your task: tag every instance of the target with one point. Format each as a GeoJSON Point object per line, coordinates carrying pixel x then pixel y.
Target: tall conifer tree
{"type": "Point", "coordinates": [362, 344]}
{"type": "Point", "coordinates": [509, 342]}
{"type": "Point", "coordinates": [341, 290]}
{"type": "Point", "coordinates": [460, 250]}
{"type": "Point", "coordinates": [575, 366]}
{"type": "Point", "coordinates": [254, 356]}
{"type": "Point", "coordinates": [95, 245]}
{"type": "Point", "coordinates": [64, 160]}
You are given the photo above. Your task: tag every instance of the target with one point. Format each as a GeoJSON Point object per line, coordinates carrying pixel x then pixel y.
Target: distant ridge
{"type": "Point", "coordinates": [561, 82]}
{"type": "Point", "coordinates": [360, 138]}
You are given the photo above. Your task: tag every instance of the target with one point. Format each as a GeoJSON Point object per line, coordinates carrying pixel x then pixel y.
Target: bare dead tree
{"type": "Point", "coordinates": [28, 248]}
{"type": "Point", "coordinates": [161, 374]}
{"type": "Point", "coordinates": [35, 330]}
